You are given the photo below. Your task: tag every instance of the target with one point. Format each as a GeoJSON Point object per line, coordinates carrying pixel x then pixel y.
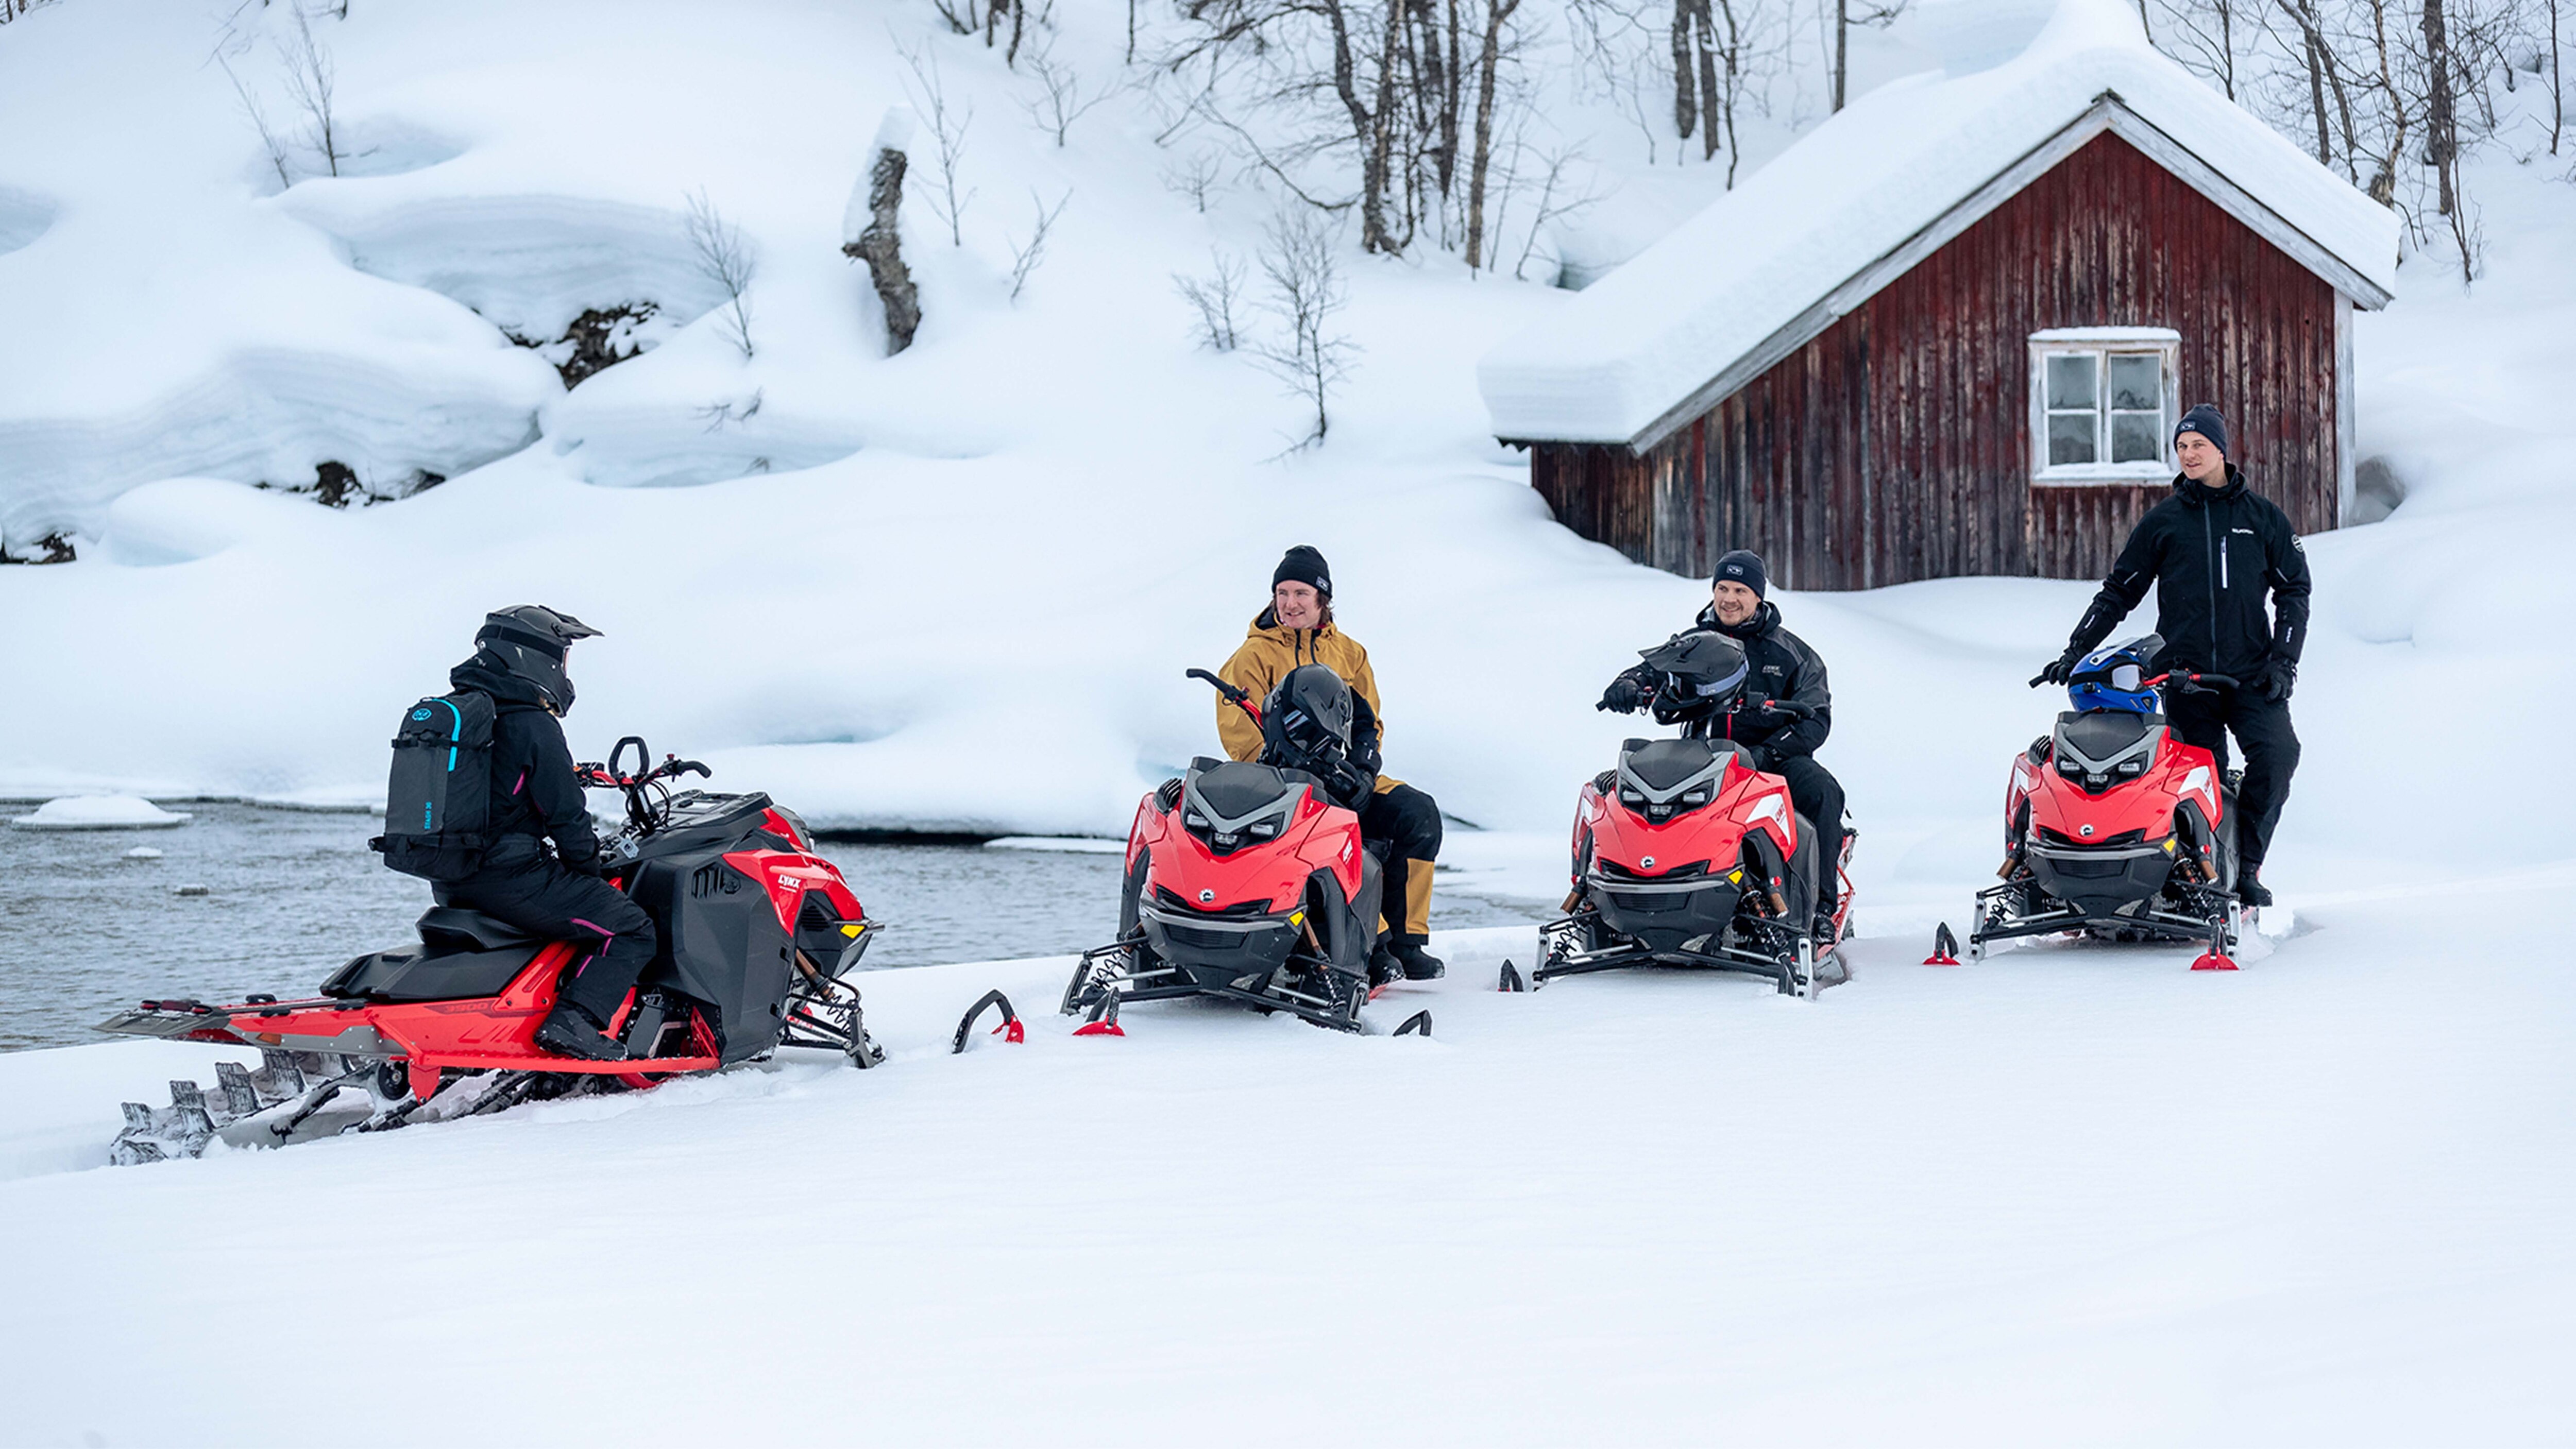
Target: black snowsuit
{"type": "Point", "coordinates": [1779, 665]}
{"type": "Point", "coordinates": [2214, 554]}
{"type": "Point", "coordinates": [536, 797]}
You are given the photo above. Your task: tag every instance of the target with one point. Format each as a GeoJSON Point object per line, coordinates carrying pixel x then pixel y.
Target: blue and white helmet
{"type": "Point", "coordinates": [2115, 677]}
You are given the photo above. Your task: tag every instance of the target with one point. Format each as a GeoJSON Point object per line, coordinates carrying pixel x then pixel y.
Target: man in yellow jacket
{"type": "Point", "coordinates": [1298, 629]}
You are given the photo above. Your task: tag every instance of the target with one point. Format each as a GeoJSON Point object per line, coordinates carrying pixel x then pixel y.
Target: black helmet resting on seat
{"type": "Point", "coordinates": [1704, 665]}
{"type": "Point", "coordinates": [528, 643]}
{"type": "Point", "coordinates": [1309, 714]}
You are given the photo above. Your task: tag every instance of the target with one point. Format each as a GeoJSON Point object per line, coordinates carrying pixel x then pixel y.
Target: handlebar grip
{"type": "Point", "coordinates": [1238, 696]}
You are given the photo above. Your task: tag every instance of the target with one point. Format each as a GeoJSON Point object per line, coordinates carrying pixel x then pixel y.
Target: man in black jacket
{"type": "Point", "coordinates": [1780, 667]}
{"type": "Point", "coordinates": [536, 798]}
{"type": "Point", "coordinates": [2214, 551]}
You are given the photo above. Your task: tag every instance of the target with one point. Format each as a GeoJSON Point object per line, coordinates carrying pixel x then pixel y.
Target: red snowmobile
{"type": "Point", "coordinates": [1686, 855]}
{"type": "Point", "coordinates": [2114, 828]}
{"type": "Point", "coordinates": [1247, 882]}
{"type": "Point", "coordinates": [757, 934]}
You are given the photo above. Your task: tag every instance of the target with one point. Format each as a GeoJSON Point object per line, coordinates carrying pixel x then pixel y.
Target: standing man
{"type": "Point", "coordinates": [2215, 550]}
{"type": "Point", "coordinates": [1780, 667]}
{"type": "Point", "coordinates": [1298, 629]}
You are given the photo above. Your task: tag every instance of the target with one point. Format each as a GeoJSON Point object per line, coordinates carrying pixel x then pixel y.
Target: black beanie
{"type": "Point", "coordinates": [2204, 420]}
{"type": "Point", "coordinates": [1304, 565]}
{"type": "Point", "coordinates": [1744, 566]}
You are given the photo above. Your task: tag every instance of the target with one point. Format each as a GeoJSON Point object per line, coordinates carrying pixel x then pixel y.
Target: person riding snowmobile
{"type": "Point", "coordinates": [519, 660]}
{"type": "Point", "coordinates": [2213, 550]}
{"type": "Point", "coordinates": [1779, 667]}
{"type": "Point", "coordinates": [1297, 629]}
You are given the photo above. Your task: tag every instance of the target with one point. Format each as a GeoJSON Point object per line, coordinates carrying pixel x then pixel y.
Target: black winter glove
{"type": "Point", "coordinates": [2279, 677]}
{"type": "Point", "coordinates": [1755, 757]}
{"type": "Point", "coordinates": [1626, 695]}
{"type": "Point", "coordinates": [2059, 670]}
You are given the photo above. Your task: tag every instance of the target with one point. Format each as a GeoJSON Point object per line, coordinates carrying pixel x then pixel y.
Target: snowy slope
{"type": "Point", "coordinates": [2066, 1196]}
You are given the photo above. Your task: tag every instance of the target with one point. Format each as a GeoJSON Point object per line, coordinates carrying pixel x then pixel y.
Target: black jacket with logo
{"type": "Point", "coordinates": [534, 791]}
{"type": "Point", "coordinates": [2213, 555]}
{"type": "Point", "coordinates": [1779, 666]}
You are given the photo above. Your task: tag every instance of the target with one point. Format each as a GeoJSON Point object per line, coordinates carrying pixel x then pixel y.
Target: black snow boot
{"type": "Point", "coordinates": [573, 1032]}
{"type": "Point", "coordinates": [2250, 891]}
{"type": "Point", "coordinates": [1822, 929]}
{"type": "Point", "coordinates": [1418, 964]}
{"type": "Point", "coordinates": [1383, 967]}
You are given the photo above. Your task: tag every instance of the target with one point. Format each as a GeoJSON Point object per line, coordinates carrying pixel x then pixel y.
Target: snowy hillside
{"type": "Point", "coordinates": [2067, 1195]}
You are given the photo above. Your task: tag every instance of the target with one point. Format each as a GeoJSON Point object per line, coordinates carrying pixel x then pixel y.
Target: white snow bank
{"type": "Point", "coordinates": [23, 218]}
{"type": "Point", "coordinates": [100, 812]}
{"type": "Point", "coordinates": [1609, 361]}
{"type": "Point", "coordinates": [2065, 1196]}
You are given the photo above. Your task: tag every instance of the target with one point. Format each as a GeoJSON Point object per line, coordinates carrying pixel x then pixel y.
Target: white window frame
{"type": "Point", "coordinates": [2101, 343]}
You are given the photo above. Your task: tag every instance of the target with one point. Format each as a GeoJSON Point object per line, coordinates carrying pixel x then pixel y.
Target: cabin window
{"type": "Point", "coordinates": [2103, 401]}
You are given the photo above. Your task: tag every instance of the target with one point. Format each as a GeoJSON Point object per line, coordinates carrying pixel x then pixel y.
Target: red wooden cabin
{"type": "Point", "coordinates": [1949, 331]}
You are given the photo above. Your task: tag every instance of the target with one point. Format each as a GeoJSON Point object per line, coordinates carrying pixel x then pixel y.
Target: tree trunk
{"type": "Point", "coordinates": [881, 247]}
{"type": "Point", "coordinates": [1379, 171]}
{"type": "Point", "coordinates": [1685, 100]}
{"type": "Point", "coordinates": [2317, 101]}
{"type": "Point", "coordinates": [1704, 43]}
{"type": "Point", "coordinates": [2441, 138]}
{"type": "Point", "coordinates": [1842, 48]}
{"type": "Point", "coordinates": [1488, 59]}
{"type": "Point", "coordinates": [1363, 128]}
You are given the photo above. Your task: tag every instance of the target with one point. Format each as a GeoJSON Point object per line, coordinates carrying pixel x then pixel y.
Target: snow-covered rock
{"type": "Point", "coordinates": [100, 812]}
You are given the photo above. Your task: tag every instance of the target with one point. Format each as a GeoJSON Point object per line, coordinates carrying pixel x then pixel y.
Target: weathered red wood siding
{"type": "Point", "coordinates": [1896, 445]}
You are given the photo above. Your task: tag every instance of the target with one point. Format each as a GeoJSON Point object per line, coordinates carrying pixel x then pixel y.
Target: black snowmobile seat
{"type": "Point", "coordinates": [456, 928]}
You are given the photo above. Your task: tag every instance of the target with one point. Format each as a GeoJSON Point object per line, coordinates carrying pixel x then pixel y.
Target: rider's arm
{"type": "Point", "coordinates": [1235, 729]}
{"type": "Point", "coordinates": [1802, 735]}
{"type": "Point", "coordinates": [1363, 682]}
{"type": "Point", "coordinates": [2123, 589]}
{"type": "Point", "coordinates": [556, 794]}
{"type": "Point", "coordinates": [2286, 570]}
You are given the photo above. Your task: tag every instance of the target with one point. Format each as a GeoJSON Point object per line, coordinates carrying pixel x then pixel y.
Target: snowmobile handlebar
{"type": "Point", "coordinates": [1240, 699]}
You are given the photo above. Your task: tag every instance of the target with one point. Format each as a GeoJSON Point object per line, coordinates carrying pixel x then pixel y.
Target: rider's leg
{"type": "Point", "coordinates": [1408, 820]}
{"type": "Point", "coordinates": [2262, 727]}
{"type": "Point", "coordinates": [1819, 797]}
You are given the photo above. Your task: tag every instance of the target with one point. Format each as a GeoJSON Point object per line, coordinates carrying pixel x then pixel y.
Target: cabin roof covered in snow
{"type": "Point", "coordinates": [1871, 192]}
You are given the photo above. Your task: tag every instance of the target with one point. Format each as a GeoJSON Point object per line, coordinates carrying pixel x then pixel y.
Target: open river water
{"type": "Point", "coordinates": [86, 928]}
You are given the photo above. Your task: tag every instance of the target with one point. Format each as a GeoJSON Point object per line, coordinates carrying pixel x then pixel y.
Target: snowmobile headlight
{"type": "Point", "coordinates": [1194, 820]}
{"type": "Point", "coordinates": [1266, 828]}
{"type": "Point", "coordinates": [1632, 797]}
{"type": "Point", "coordinates": [1695, 797]}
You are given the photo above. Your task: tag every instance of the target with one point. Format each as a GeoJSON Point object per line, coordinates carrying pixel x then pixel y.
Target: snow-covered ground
{"type": "Point", "coordinates": [2067, 1195]}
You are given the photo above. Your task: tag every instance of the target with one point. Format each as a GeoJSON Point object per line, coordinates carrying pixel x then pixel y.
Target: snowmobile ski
{"type": "Point", "coordinates": [1010, 1028]}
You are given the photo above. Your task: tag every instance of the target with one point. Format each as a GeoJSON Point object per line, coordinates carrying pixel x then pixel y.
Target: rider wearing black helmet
{"type": "Point", "coordinates": [519, 661]}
